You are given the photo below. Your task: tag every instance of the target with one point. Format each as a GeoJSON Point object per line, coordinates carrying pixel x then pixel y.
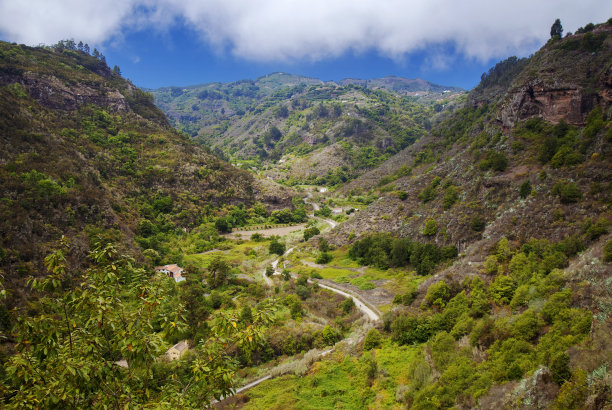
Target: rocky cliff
{"type": "Point", "coordinates": [563, 81]}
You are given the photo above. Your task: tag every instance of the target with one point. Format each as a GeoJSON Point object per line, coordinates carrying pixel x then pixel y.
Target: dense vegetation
{"type": "Point", "coordinates": [384, 251]}
{"type": "Point", "coordinates": [300, 119]}
{"type": "Point", "coordinates": [484, 249]}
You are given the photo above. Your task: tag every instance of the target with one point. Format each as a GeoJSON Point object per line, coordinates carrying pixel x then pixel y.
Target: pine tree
{"type": "Point", "coordinates": [557, 29]}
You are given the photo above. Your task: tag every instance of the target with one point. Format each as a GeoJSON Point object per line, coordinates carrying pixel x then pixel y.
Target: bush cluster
{"type": "Point", "coordinates": [384, 251]}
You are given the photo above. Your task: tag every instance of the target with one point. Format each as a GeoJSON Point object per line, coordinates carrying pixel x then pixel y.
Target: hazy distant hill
{"type": "Point", "coordinates": [401, 85]}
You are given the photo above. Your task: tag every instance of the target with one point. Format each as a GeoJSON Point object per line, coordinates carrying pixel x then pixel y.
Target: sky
{"type": "Point", "coordinates": [160, 43]}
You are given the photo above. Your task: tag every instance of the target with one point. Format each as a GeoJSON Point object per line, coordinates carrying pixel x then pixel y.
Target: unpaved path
{"type": "Point", "coordinates": [371, 312]}
{"type": "Point", "coordinates": [275, 267]}
{"type": "Point", "coordinates": [331, 223]}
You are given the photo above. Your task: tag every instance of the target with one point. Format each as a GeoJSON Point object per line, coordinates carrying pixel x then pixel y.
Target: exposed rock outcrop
{"type": "Point", "coordinates": [553, 102]}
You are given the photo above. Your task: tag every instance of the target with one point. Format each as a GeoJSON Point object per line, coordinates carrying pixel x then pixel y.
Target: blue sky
{"type": "Point", "coordinates": [178, 58]}
{"type": "Point", "coordinates": [182, 42]}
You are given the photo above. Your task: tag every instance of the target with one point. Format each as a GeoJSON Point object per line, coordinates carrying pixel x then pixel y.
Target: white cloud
{"type": "Point", "coordinates": [290, 30]}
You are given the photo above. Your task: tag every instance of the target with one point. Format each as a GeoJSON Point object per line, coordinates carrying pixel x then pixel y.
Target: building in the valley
{"type": "Point", "coordinates": [172, 271]}
{"type": "Point", "coordinates": [177, 351]}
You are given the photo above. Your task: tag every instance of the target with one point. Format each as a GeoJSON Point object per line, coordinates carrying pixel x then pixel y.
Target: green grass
{"type": "Point", "coordinates": [362, 283]}
{"type": "Point", "coordinates": [335, 274]}
{"type": "Point", "coordinates": [237, 254]}
{"type": "Point", "coordinates": [339, 383]}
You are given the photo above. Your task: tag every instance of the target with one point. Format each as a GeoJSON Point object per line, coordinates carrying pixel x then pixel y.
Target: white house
{"type": "Point", "coordinates": [172, 271]}
{"type": "Point", "coordinates": [177, 351]}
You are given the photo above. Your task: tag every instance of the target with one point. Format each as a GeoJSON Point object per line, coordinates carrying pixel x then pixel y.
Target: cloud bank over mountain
{"type": "Point", "coordinates": [285, 30]}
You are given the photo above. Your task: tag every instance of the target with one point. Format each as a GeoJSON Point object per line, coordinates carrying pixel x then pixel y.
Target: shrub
{"type": "Point", "coordinates": [372, 339]}
{"type": "Point", "coordinates": [525, 189]}
{"type": "Point", "coordinates": [478, 223]}
{"type": "Point", "coordinates": [594, 230]}
{"type": "Point", "coordinates": [410, 329]}
{"type": "Point", "coordinates": [450, 197]}
{"type": "Point", "coordinates": [295, 306]}
{"type": "Point", "coordinates": [526, 326]}
{"type": "Point", "coordinates": [323, 245]}
{"type": "Point", "coordinates": [315, 275]}
{"type": "Point", "coordinates": [269, 270]}
{"type": "Point", "coordinates": [463, 326]}
{"type": "Point", "coordinates": [403, 195]}
{"type": "Point", "coordinates": [607, 251]}
{"type": "Point", "coordinates": [573, 393]}
{"type": "Point", "coordinates": [438, 294]}
{"type": "Point", "coordinates": [246, 315]}
{"type": "Point", "coordinates": [491, 265]}
{"type": "Point", "coordinates": [276, 247]}
{"type": "Point", "coordinates": [310, 232]}
{"type": "Point", "coordinates": [408, 297]}
{"type": "Point", "coordinates": [559, 367]}
{"type": "Point", "coordinates": [302, 291]}
{"type": "Point", "coordinates": [324, 258]}
{"type": "Point", "coordinates": [556, 303]}
{"type": "Point", "coordinates": [494, 160]}
{"type": "Point", "coordinates": [521, 297]}
{"type": "Point", "coordinates": [431, 227]}
{"type": "Point", "coordinates": [347, 305]}
{"type": "Point", "coordinates": [568, 192]}
{"type": "Point", "coordinates": [330, 335]}
{"type": "Point", "coordinates": [427, 194]}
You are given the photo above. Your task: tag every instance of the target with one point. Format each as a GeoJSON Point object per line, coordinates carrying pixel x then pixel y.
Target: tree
{"type": "Point", "coordinates": [116, 70]}
{"type": "Point", "coordinates": [218, 270]}
{"type": "Point", "coordinates": [222, 225]}
{"type": "Point", "coordinates": [276, 247]}
{"type": "Point", "coordinates": [269, 270]}
{"type": "Point", "coordinates": [556, 31]}
{"type": "Point", "coordinates": [67, 348]}
{"type": "Point", "coordinates": [310, 232]}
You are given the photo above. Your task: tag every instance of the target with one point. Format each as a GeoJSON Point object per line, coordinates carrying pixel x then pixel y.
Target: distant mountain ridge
{"type": "Point", "coordinates": [278, 80]}
{"type": "Point", "coordinates": [401, 85]}
{"type": "Point", "coordinates": [323, 125]}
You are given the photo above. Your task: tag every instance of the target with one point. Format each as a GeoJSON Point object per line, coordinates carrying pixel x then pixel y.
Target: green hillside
{"type": "Point", "coordinates": [325, 133]}
{"type": "Point", "coordinates": [86, 153]}
{"type": "Point", "coordinates": [443, 250]}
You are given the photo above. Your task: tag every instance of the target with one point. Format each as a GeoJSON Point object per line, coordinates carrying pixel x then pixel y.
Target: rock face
{"type": "Point", "coordinates": [53, 93]}
{"type": "Point", "coordinates": [554, 103]}
{"type": "Point", "coordinates": [535, 392]}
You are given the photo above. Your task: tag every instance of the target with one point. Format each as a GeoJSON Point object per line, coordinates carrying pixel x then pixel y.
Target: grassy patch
{"type": "Point", "coordinates": [339, 383]}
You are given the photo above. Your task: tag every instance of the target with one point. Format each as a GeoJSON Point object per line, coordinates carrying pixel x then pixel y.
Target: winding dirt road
{"type": "Point", "coordinates": [372, 314]}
